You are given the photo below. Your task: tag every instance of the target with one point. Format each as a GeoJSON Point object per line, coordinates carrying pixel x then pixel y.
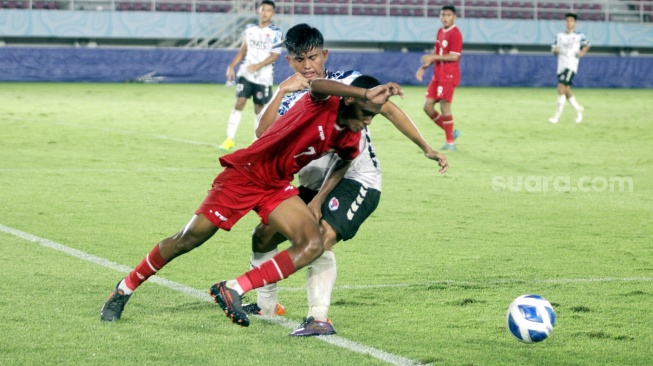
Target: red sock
{"type": "Point", "coordinates": [272, 271]}
{"type": "Point", "coordinates": [448, 128]}
{"type": "Point", "coordinates": [150, 265]}
{"type": "Point", "coordinates": [437, 118]}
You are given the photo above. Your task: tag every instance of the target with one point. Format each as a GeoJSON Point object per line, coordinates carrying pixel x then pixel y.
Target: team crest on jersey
{"type": "Point", "coordinates": [334, 204]}
{"type": "Point", "coordinates": [445, 43]}
{"type": "Point", "coordinates": [259, 95]}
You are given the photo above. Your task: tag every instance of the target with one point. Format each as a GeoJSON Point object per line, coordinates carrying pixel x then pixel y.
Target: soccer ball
{"type": "Point", "coordinates": [530, 318]}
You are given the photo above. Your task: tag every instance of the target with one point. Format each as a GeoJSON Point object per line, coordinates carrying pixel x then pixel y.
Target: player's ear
{"type": "Point", "coordinates": [325, 53]}
{"type": "Point", "coordinates": [349, 101]}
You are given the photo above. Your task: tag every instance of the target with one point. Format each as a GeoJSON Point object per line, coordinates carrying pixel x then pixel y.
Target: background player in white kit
{"type": "Point", "coordinates": [261, 47]}
{"type": "Point", "coordinates": [570, 46]}
{"type": "Point", "coordinates": [348, 204]}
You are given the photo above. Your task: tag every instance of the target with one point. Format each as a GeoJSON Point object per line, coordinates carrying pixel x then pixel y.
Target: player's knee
{"type": "Point", "coordinates": [314, 247]}
{"type": "Point", "coordinates": [184, 243]}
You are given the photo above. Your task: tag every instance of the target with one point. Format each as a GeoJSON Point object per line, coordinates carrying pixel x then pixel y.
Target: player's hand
{"type": "Point", "coordinates": [294, 83]}
{"type": "Point", "coordinates": [380, 94]}
{"type": "Point", "coordinates": [231, 76]}
{"type": "Point", "coordinates": [419, 75]}
{"type": "Point", "coordinates": [316, 209]}
{"type": "Point", "coordinates": [440, 158]}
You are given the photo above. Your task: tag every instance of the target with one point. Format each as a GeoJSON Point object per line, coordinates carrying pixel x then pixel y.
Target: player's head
{"type": "Point", "coordinates": [570, 20]}
{"type": "Point", "coordinates": [356, 113]}
{"type": "Point", "coordinates": [266, 11]}
{"type": "Point", "coordinates": [447, 15]}
{"type": "Point", "coordinates": [306, 54]}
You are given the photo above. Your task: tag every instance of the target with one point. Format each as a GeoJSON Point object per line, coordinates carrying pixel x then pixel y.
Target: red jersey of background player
{"type": "Point", "coordinates": [448, 41]}
{"type": "Point", "coordinates": [306, 132]}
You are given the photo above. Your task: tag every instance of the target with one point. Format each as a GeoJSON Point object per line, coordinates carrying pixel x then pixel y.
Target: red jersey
{"type": "Point", "coordinates": [448, 41]}
{"type": "Point", "coordinates": [306, 132]}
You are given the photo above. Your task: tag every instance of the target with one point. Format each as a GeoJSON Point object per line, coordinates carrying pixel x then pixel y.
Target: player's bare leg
{"type": "Point", "coordinates": [198, 230]}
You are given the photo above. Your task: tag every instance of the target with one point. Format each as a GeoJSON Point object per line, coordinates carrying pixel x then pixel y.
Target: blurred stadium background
{"type": "Point", "coordinates": [507, 43]}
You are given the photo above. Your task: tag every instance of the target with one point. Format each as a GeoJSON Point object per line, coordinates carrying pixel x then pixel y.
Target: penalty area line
{"type": "Point", "coordinates": [203, 295]}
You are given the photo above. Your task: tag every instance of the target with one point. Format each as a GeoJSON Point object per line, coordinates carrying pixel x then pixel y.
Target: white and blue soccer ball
{"type": "Point", "coordinates": [530, 318]}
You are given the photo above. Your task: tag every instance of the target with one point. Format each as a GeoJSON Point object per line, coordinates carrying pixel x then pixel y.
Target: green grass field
{"type": "Point", "coordinates": [107, 170]}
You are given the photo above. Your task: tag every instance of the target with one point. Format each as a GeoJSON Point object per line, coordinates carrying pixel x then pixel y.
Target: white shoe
{"type": "Point", "coordinates": [553, 119]}
{"type": "Point", "coordinates": [579, 114]}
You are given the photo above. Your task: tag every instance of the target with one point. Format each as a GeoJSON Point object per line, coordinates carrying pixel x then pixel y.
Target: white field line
{"type": "Point", "coordinates": [203, 295]}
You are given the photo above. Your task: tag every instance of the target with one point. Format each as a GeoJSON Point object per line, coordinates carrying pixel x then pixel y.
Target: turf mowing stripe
{"type": "Point", "coordinates": [203, 295]}
{"type": "Point", "coordinates": [137, 133]}
{"type": "Point", "coordinates": [478, 283]}
{"type": "Point", "coordinates": [107, 170]}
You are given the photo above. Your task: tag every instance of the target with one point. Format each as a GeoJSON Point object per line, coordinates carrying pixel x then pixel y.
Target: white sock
{"type": "Point", "coordinates": [574, 103]}
{"type": "Point", "coordinates": [126, 290]}
{"type": "Point", "coordinates": [267, 295]}
{"type": "Point", "coordinates": [320, 279]}
{"type": "Point", "coordinates": [233, 284]}
{"type": "Point", "coordinates": [234, 121]}
{"type": "Point", "coordinates": [561, 104]}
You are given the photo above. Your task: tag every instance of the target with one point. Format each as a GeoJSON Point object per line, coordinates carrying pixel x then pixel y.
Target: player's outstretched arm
{"type": "Point", "coordinates": [406, 126]}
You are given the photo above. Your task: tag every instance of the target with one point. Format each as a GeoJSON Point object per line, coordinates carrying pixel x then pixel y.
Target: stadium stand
{"type": "Point", "coordinates": [587, 10]}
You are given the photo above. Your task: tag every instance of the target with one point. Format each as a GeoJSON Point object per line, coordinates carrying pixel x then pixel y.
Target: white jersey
{"type": "Point", "coordinates": [569, 45]}
{"type": "Point", "coordinates": [261, 42]}
{"type": "Point", "coordinates": [364, 169]}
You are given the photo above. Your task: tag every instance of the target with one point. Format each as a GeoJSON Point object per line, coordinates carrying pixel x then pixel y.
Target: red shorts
{"type": "Point", "coordinates": [234, 195]}
{"type": "Point", "coordinates": [440, 90]}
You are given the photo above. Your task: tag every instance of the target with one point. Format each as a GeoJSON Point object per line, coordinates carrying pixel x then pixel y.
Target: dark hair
{"type": "Point", "coordinates": [573, 15]}
{"type": "Point", "coordinates": [268, 2]}
{"type": "Point", "coordinates": [302, 38]}
{"type": "Point", "coordinates": [365, 81]}
{"type": "Point", "coordinates": [449, 7]}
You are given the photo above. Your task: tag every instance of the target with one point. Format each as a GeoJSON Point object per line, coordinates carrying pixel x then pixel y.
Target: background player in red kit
{"type": "Point", "coordinates": [258, 178]}
{"type": "Point", "coordinates": [446, 74]}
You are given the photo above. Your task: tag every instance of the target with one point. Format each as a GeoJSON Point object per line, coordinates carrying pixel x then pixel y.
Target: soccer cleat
{"type": "Point", "coordinates": [311, 327]}
{"type": "Point", "coordinates": [227, 145]}
{"type": "Point", "coordinates": [112, 309]}
{"type": "Point", "coordinates": [579, 114]}
{"type": "Point", "coordinates": [553, 120]}
{"type": "Point", "coordinates": [254, 309]}
{"type": "Point", "coordinates": [456, 134]}
{"type": "Point", "coordinates": [450, 147]}
{"type": "Point", "coordinates": [230, 301]}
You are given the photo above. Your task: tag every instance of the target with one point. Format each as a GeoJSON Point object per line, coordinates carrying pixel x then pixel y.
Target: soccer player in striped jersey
{"type": "Point", "coordinates": [342, 205]}
{"type": "Point", "coordinates": [570, 46]}
{"type": "Point", "coordinates": [260, 49]}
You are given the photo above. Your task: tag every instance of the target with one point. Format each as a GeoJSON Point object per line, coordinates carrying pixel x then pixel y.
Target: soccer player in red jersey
{"type": "Point", "coordinates": [259, 178]}
{"type": "Point", "coordinates": [446, 74]}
